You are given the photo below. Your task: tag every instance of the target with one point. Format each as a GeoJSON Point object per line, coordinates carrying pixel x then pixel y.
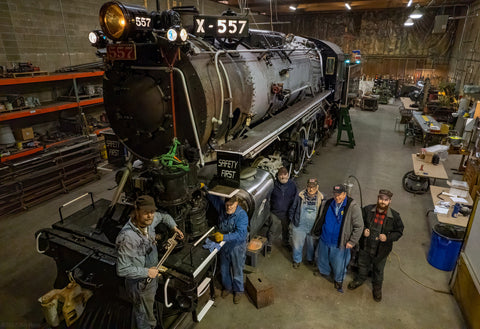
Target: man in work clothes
{"type": "Point", "coordinates": [339, 227]}
{"type": "Point", "coordinates": [281, 200]}
{"type": "Point", "coordinates": [232, 225]}
{"type": "Point", "coordinates": [383, 226]}
{"type": "Point", "coordinates": [138, 258]}
{"type": "Point", "coordinates": [303, 214]}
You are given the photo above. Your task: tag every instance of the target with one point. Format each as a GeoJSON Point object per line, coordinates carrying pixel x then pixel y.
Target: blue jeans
{"type": "Point", "coordinates": [332, 258]}
{"type": "Point", "coordinates": [232, 261]}
{"type": "Point", "coordinates": [300, 237]}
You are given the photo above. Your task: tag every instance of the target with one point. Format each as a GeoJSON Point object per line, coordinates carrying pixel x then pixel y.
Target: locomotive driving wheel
{"type": "Point", "coordinates": [302, 139]}
{"type": "Point", "coordinates": [312, 138]}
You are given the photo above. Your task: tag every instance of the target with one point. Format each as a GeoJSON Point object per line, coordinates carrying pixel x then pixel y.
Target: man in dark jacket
{"type": "Point", "coordinates": [339, 227]}
{"type": "Point", "coordinates": [383, 226]}
{"type": "Point", "coordinates": [281, 200]}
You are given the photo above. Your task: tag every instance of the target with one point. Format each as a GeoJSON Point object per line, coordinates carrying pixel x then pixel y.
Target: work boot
{"type": "Point", "coordinates": [354, 284]}
{"type": "Point", "coordinates": [310, 262]}
{"type": "Point", "coordinates": [377, 293]}
{"type": "Point", "coordinates": [237, 297]}
{"type": "Point", "coordinates": [338, 286]}
{"type": "Point", "coordinates": [296, 265]}
{"type": "Point", "coordinates": [225, 293]}
{"type": "Point", "coordinates": [326, 277]}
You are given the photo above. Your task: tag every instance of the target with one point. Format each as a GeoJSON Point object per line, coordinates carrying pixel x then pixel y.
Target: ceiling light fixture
{"type": "Point", "coordinates": [348, 6]}
{"type": "Point", "coordinates": [292, 8]}
{"type": "Point", "coordinates": [409, 3]}
{"type": "Point", "coordinates": [408, 22]}
{"type": "Point", "coordinates": [417, 13]}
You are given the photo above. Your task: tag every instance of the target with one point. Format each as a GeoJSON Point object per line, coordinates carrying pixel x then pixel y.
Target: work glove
{"type": "Point", "coordinates": [210, 245]}
{"type": "Point", "coordinates": [218, 237]}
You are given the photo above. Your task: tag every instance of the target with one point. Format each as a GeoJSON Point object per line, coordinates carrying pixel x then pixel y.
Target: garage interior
{"type": "Point", "coordinates": [57, 146]}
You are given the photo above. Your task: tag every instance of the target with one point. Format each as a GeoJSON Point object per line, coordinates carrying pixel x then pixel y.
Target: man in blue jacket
{"type": "Point", "coordinates": [233, 223]}
{"type": "Point", "coordinates": [138, 258]}
{"type": "Point", "coordinates": [281, 200]}
{"type": "Point", "coordinates": [339, 227]}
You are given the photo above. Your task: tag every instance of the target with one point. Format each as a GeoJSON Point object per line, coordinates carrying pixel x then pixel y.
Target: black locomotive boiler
{"type": "Point", "coordinates": [205, 102]}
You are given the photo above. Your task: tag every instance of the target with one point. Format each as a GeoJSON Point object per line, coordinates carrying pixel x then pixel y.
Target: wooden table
{"type": "Point", "coordinates": [460, 220]}
{"type": "Point", "coordinates": [430, 127]}
{"type": "Point", "coordinates": [407, 103]}
{"type": "Point", "coordinates": [429, 170]}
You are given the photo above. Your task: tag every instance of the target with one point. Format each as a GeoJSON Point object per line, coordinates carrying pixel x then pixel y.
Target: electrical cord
{"type": "Point", "coordinates": [415, 280]}
{"type": "Point", "coordinates": [359, 188]}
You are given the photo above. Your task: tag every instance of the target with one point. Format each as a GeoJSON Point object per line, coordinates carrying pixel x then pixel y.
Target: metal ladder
{"type": "Point", "coordinates": [345, 124]}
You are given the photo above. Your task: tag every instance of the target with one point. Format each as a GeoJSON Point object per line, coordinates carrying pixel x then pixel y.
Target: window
{"type": "Point", "coordinates": [330, 68]}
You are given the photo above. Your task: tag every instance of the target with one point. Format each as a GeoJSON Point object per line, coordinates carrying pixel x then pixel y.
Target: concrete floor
{"type": "Point", "coordinates": [301, 300]}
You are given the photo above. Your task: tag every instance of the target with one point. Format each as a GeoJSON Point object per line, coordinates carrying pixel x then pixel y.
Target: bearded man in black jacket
{"type": "Point", "coordinates": [382, 226]}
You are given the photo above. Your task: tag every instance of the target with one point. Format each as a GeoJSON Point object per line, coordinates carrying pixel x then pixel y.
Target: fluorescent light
{"type": "Point", "coordinates": [292, 8]}
{"type": "Point", "coordinates": [409, 3]}
{"type": "Point", "coordinates": [408, 22]}
{"type": "Point", "coordinates": [417, 13]}
{"type": "Point", "coordinates": [348, 6]}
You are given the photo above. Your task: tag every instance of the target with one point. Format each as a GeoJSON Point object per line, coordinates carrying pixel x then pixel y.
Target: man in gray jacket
{"type": "Point", "coordinates": [339, 227]}
{"type": "Point", "coordinates": [138, 258]}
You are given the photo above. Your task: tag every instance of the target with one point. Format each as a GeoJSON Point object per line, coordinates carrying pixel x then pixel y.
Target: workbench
{"type": "Point", "coordinates": [430, 127]}
{"type": "Point", "coordinates": [408, 104]}
{"type": "Point", "coordinates": [460, 220]}
{"type": "Point", "coordinates": [428, 170]}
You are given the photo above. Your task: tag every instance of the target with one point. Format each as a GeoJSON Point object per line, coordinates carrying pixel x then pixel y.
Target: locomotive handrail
{"type": "Point", "coordinates": [222, 97]}
{"type": "Point", "coordinates": [37, 244]}
{"type": "Point", "coordinates": [187, 98]}
{"type": "Point", "coordinates": [165, 293]}
{"type": "Point", "coordinates": [72, 201]}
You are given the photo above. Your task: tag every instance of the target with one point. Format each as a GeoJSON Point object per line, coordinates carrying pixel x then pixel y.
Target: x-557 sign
{"type": "Point", "coordinates": [220, 26]}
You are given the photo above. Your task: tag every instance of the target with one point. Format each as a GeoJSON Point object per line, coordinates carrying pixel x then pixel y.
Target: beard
{"type": "Point", "coordinates": [382, 206]}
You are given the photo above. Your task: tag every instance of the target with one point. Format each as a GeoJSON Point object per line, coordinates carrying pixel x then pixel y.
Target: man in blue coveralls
{"type": "Point", "coordinates": [233, 222]}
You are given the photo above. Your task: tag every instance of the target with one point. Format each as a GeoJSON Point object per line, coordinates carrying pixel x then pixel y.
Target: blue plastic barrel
{"type": "Point", "coordinates": [445, 246]}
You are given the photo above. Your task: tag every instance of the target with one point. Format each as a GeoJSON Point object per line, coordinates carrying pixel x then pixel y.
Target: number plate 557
{"type": "Point", "coordinates": [121, 52]}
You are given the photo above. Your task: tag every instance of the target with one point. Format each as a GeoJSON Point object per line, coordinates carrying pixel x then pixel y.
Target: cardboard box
{"type": "Point", "coordinates": [23, 134]}
{"type": "Point", "coordinates": [259, 289]}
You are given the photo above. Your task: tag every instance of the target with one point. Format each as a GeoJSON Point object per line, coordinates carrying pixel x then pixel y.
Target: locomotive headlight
{"type": "Point", "coordinates": [177, 34]}
{"type": "Point", "coordinates": [97, 38]}
{"type": "Point", "coordinates": [183, 35]}
{"type": "Point", "coordinates": [120, 21]}
{"type": "Point", "coordinates": [172, 35]}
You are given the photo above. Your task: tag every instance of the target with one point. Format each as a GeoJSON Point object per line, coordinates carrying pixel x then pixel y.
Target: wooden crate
{"type": "Point", "coordinates": [259, 289]}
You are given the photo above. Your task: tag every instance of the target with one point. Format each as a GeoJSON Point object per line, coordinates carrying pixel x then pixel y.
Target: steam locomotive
{"type": "Point", "coordinates": [212, 102]}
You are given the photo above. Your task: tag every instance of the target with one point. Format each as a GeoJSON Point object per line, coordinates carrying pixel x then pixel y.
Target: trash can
{"type": "Point", "coordinates": [445, 246]}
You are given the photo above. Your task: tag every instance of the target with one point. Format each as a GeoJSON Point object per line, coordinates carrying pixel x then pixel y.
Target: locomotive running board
{"type": "Point", "coordinates": [258, 138]}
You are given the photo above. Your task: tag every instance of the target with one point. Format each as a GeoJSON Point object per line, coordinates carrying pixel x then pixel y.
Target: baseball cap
{"type": "Point", "coordinates": [385, 192]}
{"type": "Point", "coordinates": [340, 188]}
{"type": "Point", "coordinates": [312, 182]}
{"type": "Point", "coordinates": [145, 202]}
